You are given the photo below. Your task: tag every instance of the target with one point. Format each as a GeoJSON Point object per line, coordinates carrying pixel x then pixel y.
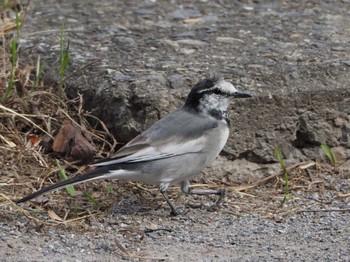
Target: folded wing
{"type": "Point", "coordinates": [176, 134]}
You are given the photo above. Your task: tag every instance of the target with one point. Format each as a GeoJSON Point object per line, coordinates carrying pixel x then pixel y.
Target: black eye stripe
{"type": "Point", "coordinates": [217, 91]}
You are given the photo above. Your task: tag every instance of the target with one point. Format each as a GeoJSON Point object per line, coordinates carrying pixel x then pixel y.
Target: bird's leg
{"type": "Point", "coordinates": [185, 187]}
{"type": "Point", "coordinates": [162, 188]}
{"type": "Point", "coordinates": [172, 207]}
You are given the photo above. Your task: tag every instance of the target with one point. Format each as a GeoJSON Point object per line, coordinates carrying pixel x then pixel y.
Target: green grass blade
{"type": "Point", "coordinates": [18, 24]}
{"type": "Point", "coordinates": [39, 71]}
{"type": "Point", "coordinates": [3, 5]}
{"type": "Point", "coordinates": [328, 153]}
{"type": "Point", "coordinates": [279, 157]}
{"type": "Point", "coordinates": [64, 58]}
{"type": "Point", "coordinates": [90, 197]}
{"type": "Point", "coordinates": [11, 82]}
{"type": "Point", "coordinates": [63, 176]}
{"type": "Point", "coordinates": [64, 54]}
{"type": "Point", "coordinates": [110, 188]}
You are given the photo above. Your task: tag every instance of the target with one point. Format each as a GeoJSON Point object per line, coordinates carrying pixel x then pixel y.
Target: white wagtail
{"type": "Point", "coordinates": [173, 149]}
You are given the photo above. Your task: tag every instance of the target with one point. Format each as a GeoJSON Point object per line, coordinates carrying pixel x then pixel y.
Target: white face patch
{"type": "Point", "coordinates": [224, 86]}
{"type": "Point", "coordinates": [213, 102]}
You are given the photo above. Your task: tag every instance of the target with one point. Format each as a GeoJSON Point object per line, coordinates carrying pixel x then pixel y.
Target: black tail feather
{"type": "Point", "coordinates": [93, 175]}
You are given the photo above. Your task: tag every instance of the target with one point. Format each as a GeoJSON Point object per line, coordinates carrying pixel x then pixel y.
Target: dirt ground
{"type": "Point", "coordinates": [292, 56]}
{"type": "Point", "coordinates": [132, 223]}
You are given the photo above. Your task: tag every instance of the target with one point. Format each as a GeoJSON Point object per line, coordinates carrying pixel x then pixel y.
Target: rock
{"type": "Point", "coordinates": [142, 47]}
{"type": "Point", "coordinates": [191, 42]}
{"type": "Point", "coordinates": [184, 13]}
{"type": "Point", "coordinates": [118, 76]}
{"type": "Point", "coordinates": [229, 40]}
{"type": "Point", "coordinates": [186, 34]}
{"type": "Point", "coordinates": [305, 135]}
{"type": "Point", "coordinates": [143, 11]}
{"type": "Point", "coordinates": [338, 122]}
{"type": "Point", "coordinates": [176, 81]}
{"type": "Point", "coordinates": [234, 71]}
{"type": "Point", "coordinates": [125, 41]}
{"type": "Point", "coordinates": [170, 43]}
{"type": "Point", "coordinates": [187, 51]}
{"type": "Point", "coordinates": [339, 155]}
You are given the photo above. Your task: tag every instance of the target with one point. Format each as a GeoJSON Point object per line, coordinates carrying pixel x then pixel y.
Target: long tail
{"type": "Point", "coordinates": [98, 173]}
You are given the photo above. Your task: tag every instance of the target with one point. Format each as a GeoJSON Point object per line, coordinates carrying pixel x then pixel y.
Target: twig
{"type": "Point", "coordinates": [25, 212]}
{"type": "Point", "coordinates": [344, 195]}
{"type": "Point", "coordinates": [323, 210]}
{"type": "Point", "coordinates": [262, 181]}
{"type": "Point", "coordinates": [82, 68]}
{"type": "Point", "coordinates": [25, 118]}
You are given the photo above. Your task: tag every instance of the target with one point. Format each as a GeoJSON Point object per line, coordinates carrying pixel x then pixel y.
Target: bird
{"type": "Point", "coordinates": [173, 149]}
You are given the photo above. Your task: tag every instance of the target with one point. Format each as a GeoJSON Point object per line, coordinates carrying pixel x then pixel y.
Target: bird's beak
{"type": "Point", "coordinates": [242, 94]}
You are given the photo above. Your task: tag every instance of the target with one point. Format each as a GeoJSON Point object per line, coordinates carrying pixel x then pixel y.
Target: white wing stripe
{"type": "Point", "coordinates": [151, 153]}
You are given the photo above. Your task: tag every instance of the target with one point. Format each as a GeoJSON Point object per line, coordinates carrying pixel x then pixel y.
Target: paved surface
{"type": "Point", "coordinates": [135, 61]}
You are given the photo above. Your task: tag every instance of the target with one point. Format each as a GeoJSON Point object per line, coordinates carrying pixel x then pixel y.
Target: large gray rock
{"type": "Point", "coordinates": [133, 63]}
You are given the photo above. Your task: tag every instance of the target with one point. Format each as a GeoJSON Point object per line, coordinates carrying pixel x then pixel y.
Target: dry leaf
{"type": "Point", "coordinates": [46, 143]}
{"type": "Point", "coordinates": [64, 137]}
{"type": "Point", "coordinates": [54, 216]}
{"type": "Point", "coordinates": [74, 142]}
{"type": "Point", "coordinates": [34, 139]}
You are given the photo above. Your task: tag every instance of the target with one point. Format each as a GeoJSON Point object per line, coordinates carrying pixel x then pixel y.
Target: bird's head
{"type": "Point", "coordinates": [211, 97]}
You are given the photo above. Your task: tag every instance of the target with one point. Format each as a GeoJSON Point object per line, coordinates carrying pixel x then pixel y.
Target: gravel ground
{"type": "Point", "coordinates": [198, 236]}
{"type": "Point", "coordinates": [130, 224]}
{"type": "Point", "coordinates": [295, 49]}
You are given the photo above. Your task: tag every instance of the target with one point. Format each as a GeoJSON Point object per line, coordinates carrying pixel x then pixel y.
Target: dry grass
{"type": "Point", "coordinates": [29, 120]}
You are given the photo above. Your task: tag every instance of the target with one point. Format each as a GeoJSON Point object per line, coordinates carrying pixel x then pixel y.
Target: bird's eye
{"type": "Point", "coordinates": [217, 91]}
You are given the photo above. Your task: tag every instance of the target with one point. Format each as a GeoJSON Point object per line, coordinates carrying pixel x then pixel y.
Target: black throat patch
{"type": "Point", "coordinates": [219, 115]}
